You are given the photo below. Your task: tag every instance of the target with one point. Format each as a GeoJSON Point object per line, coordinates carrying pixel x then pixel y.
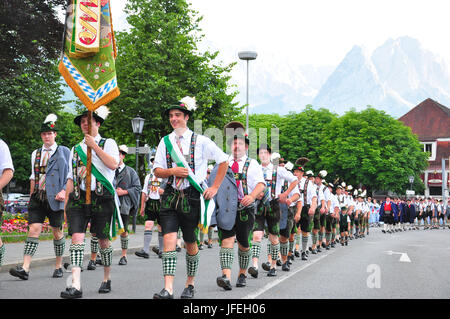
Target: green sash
{"type": "Point", "coordinates": [207, 205]}
{"type": "Point", "coordinates": [113, 231]}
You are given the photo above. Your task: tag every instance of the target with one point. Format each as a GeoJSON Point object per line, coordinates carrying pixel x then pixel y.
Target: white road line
{"type": "Point", "coordinates": [283, 278]}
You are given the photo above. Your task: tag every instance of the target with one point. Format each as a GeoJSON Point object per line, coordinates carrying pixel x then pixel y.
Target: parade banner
{"type": "Point", "coordinates": [88, 59]}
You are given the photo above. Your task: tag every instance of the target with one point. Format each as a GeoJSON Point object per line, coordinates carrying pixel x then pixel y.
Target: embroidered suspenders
{"type": "Point", "coordinates": [76, 164]}
{"type": "Point", "coordinates": [243, 176]}
{"type": "Point", "coordinates": [191, 161]}
{"type": "Point", "coordinates": [38, 169]}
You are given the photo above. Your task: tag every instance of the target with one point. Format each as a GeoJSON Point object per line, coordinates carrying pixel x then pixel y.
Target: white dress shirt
{"type": "Point", "coordinates": [147, 191]}
{"type": "Point", "coordinates": [5, 158]}
{"type": "Point", "coordinates": [282, 175]}
{"type": "Point", "coordinates": [109, 148]}
{"type": "Point", "coordinates": [205, 150]}
{"type": "Point", "coordinates": [311, 192]}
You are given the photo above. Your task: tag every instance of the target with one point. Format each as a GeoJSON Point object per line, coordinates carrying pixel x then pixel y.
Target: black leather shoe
{"type": "Point", "coordinates": [98, 261]}
{"type": "Point", "coordinates": [318, 249]}
{"type": "Point", "coordinates": [105, 287]}
{"type": "Point", "coordinates": [272, 272]}
{"type": "Point", "coordinates": [224, 282]}
{"type": "Point", "coordinates": [266, 266]}
{"type": "Point", "coordinates": [188, 292]}
{"type": "Point", "coordinates": [123, 261]}
{"type": "Point", "coordinates": [91, 265]}
{"type": "Point", "coordinates": [285, 267]}
{"type": "Point", "coordinates": [279, 263]}
{"type": "Point", "coordinates": [310, 248]}
{"type": "Point", "coordinates": [304, 257]}
{"type": "Point", "coordinates": [327, 247]}
{"type": "Point", "coordinates": [142, 253]}
{"type": "Point", "coordinates": [314, 252]}
{"type": "Point", "coordinates": [160, 255]}
{"type": "Point", "coordinates": [58, 273]}
{"type": "Point", "coordinates": [71, 293]}
{"type": "Point", "coordinates": [163, 294]}
{"type": "Point", "coordinates": [297, 253]}
{"type": "Point", "coordinates": [241, 282]}
{"type": "Point", "coordinates": [253, 271]}
{"type": "Point", "coordinates": [155, 250]}
{"type": "Point", "coordinates": [324, 245]}
{"type": "Point", "coordinates": [200, 247]}
{"type": "Point", "coordinates": [383, 231]}
{"type": "Point", "coordinates": [333, 245]}
{"type": "Point", "coordinates": [210, 245]}
{"type": "Point", "coordinates": [19, 272]}
{"type": "Point", "coordinates": [178, 248]}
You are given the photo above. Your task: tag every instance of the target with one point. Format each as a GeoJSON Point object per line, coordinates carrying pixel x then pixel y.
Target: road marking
{"type": "Point", "coordinates": [283, 278]}
{"type": "Point", "coordinates": [403, 258]}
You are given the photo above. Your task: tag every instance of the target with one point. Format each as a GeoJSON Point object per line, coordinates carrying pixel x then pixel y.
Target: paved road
{"type": "Point", "coordinates": [373, 267]}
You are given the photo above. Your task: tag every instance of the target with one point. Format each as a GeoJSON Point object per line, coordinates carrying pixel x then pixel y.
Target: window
{"type": "Point", "coordinates": [430, 148]}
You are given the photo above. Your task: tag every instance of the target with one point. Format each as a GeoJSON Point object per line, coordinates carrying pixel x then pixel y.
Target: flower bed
{"type": "Point", "coordinates": [14, 228]}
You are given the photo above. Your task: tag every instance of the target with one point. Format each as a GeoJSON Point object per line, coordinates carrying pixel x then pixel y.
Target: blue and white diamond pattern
{"type": "Point", "coordinates": [84, 85]}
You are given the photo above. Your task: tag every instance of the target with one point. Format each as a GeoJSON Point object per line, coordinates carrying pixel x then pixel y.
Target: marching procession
{"type": "Point", "coordinates": [300, 212]}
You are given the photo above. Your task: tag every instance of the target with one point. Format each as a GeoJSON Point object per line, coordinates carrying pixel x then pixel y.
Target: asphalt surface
{"type": "Point", "coordinates": [404, 265]}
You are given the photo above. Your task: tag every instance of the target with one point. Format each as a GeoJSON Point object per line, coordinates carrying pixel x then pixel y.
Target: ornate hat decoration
{"type": "Point", "coordinates": [100, 115]}
{"type": "Point", "coordinates": [123, 149]}
{"type": "Point", "coordinates": [235, 130]}
{"type": "Point", "coordinates": [355, 193]}
{"type": "Point", "coordinates": [309, 173]}
{"type": "Point", "coordinates": [187, 105]}
{"type": "Point", "coordinates": [275, 156]}
{"type": "Point", "coordinates": [342, 185]}
{"type": "Point", "coordinates": [300, 162]}
{"type": "Point", "coordinates": [49, 123]}
{"type": "Point", "coordinates": [330, 185]}
{"type": "Point", "coordinates": [289, 166]}
{"type": "Point", "coordinates": [349, 188]}
{"type": "Point", "coordinates": [322, 174]}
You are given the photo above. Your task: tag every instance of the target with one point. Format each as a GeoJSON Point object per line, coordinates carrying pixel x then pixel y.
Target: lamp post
{"type": "Point", "coordinates": [137, 125]}
{"type": "Point", "coordinates": [411, 181]}
{"type": "Point", "coordinates": [247, 56]}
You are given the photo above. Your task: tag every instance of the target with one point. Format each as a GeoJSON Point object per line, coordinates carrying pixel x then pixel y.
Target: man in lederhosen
{"type": "Point", "coordinates": [319, 214]}
{"type": "Point", "coordinates": [180, 203]}
{"type": "Point", "coordinates": [302, 185]}
{"type": "Point", "coordinates": [308, 211]}
{"type": "Point", "coordinates": [331, 218]}
{"type": "Point", "coordinates": [6, 174]}
{"type": "Point", "coordinates": [236, 206]}
{"type": "Point", "coordinates": [287, 220]}
{"type": "Point", "coordinates": [104, 208]}
{"type": "Point", "coordinates": [410, 213]}
{"type": "Point", "coordinates": [49, 168]}
{"type": "Point", "coordinates": [128, 188]}
{"type": "Point", "coordinates": [269, 208]}
{"type": "Point", "coordinates": [150, 206]}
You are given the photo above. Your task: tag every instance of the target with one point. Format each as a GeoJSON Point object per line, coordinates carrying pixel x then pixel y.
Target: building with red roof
{"type": "Point", "coordinates": [430, 121]}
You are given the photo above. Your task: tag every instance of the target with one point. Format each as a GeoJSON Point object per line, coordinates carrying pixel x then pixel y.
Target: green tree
{"type": "Point", "coordinates": [372, 149]}
{"type": "Point", "coordinates": [30, 89]}
{"type": "Point", "coordinates": [158, 63]}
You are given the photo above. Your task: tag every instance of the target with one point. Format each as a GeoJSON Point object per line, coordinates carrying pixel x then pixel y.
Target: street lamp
{"type": "Point", "coordinates": [247, 55]}
{"type": "Point", "coordinates": [411, 180]}
{"type": "Point", "coordinates": [138, 125]}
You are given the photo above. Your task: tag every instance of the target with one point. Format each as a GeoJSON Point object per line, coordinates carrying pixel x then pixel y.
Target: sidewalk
{"type": "Point", "coordinates": [45, 254]}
